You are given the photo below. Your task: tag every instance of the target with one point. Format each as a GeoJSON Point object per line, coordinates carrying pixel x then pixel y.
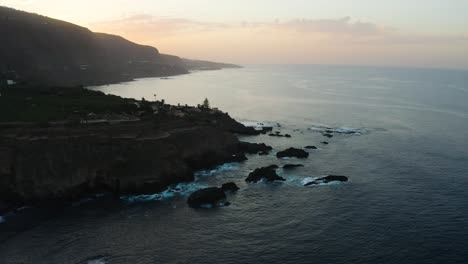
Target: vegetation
{"type": "Point", "coordinates": [23, 103]}
{"type": "Point", "coordinates": [206, 104]}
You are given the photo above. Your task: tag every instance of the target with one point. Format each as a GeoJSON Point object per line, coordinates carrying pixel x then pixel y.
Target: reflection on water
{"type": "Point", "coordinates": [399, 135]}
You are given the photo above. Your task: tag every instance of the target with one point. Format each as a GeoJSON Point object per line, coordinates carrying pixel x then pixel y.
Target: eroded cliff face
{"type": "Point", "coordinates": [65, 167]}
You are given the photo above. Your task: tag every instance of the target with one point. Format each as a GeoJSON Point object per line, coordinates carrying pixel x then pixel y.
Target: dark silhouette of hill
{"type": "Point", "coordinates": [43, 50]}
{"type": "Point", "coordinates": [202, 65]}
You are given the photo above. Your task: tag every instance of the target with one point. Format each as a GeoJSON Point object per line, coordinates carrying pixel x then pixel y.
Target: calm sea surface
{"type": "Point", "coordinates": [406, 156]}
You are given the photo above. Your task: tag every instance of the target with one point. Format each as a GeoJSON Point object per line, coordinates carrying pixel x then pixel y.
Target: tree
{"type": "Point", "coordinates": [206, 103]}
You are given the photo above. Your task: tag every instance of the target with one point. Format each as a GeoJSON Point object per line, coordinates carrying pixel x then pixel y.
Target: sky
{"type": "Point", "coordinates": [416, 33]}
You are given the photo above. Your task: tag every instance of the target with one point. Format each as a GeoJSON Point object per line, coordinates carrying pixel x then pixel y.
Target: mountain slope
{"type": "Point", "coordinates": [39, 49]}
{"type": "Point", "coordinates": [202, 65]}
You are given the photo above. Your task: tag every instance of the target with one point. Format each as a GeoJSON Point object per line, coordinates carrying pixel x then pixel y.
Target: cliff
{"type": "Point", "coordinates": [141, 157]}
{"type": "Point", "coordinates": [73, 142]}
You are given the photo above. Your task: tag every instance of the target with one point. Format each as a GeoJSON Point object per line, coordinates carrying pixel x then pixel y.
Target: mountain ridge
{"type": "Point", "coordinates": [48, 51]}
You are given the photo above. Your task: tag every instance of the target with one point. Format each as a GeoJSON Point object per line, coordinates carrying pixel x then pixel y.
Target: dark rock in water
{"type": "Point", "coordinates": [292, 166]}
{"type": "Point", "coordinates": [238, 157]}
{"type": "Point", "coordinates": [328, 135]}
{"type": "Point", "coordinates": [265, 130]}
{"type": "Point", "coordinates": [324, 142]}
{"type": "Point", "coordinates": [327, 179]}
{"type": "Point", "coordinates": [227, 204]}
{"type": "Point", "coordinates": [275, 135]}
{"type": "Point", "coordinates": [253, 148]}
{"type": "Point", "coordinates": [264, 153]}
{"type": "Point", "coordinates": [311, 147]}
{"type": "Point", "coordinates": [328, 131]}
{"type": "Point", "coordinates": [293, 152]}
{"type": "Point", "coordinates": [278, 134]}
{"type": "Point", "coordinates": [267, 173]}
{"type": "Point", "coordinates": [207, 196]}
{"type": "Point", "coordinates": [274, 167]}
{"type": "Point", "coordinates": [230, 186]}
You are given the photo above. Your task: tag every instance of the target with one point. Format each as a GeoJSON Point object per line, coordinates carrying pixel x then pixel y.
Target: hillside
{"type": "Point", "coordinates": [39, 49]}
{"type": "Point", "coordinates": [202, 65]}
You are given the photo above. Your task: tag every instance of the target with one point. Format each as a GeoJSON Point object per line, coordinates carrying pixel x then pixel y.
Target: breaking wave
{"type": "Point", "coordinates": [222, 168]}
{"type": "Point", "coordinates": [336, 130]}
{"type": "Point", "coordinates": [260, 124]}
{"type": "Point", "coordinates": [181, 189]}
{"type": "Point", "coordinates": [300, 181]}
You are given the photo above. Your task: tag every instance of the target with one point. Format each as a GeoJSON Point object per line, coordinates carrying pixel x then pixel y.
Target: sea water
{"type": "Point", "coordinates": [400, 135]}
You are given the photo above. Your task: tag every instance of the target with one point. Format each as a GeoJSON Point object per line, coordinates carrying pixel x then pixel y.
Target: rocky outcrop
{"type": "Point", "coordinates": [292, 166]}
{"type": "Point", "coordinates": [230, 186]}
{"type": "Point", "coordinates": [208, 196]}
{"type": "Point", "coordinates": [266, 173]}
{"type": "Point", "coordinates": [65, 163]}
{"type": "Point", "coordinates": [255, 148]}
{"type": "Point", "coordinates": [278, 134]}
{"type": "Point", "coordinates": [328, 179]}
{"type": "Point", "coordinates": [293, 153]}
{"type": "Point", "coordinates": [311, 147]}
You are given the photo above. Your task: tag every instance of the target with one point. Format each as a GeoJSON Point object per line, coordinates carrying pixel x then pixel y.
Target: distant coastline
{"type": "Point", "coordinates": [43, 51]}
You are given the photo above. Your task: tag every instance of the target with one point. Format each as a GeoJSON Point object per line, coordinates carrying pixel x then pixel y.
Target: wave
{"type": "Point", "coordinates": [300, 181]}
{"type": "Point", "coordinates": [225, 167]}
{"type": "Point", "coordinates": [96, 261]}
{"type": "Point", "coordinates": [181, 189]}
{"type": "Point", "coordinates": [321, 128]}
{"type": "Point", "coordinates": [260, 124]}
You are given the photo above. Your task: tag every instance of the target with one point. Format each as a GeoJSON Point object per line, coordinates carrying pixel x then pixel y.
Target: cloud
{"type": "Point", "coordinates": [143, 26]}
{"type": "Point", "coordinates": [342, 26]}
{"type": "Point", "coordinates": [335, 40]}
{"type": "Point", "coordinates": [158, 25]}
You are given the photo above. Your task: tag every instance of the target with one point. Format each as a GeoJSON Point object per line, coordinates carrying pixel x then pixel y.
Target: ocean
{"type": "Point", "coordinates": [401, 136]}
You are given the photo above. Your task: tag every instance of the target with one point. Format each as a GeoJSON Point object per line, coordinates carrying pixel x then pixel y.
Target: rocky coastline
{"type": "Point", "coordinates": [61, 162]}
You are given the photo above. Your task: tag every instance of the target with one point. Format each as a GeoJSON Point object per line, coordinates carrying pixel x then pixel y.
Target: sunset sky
{"type": "Point", "coordinates": [429, 33]}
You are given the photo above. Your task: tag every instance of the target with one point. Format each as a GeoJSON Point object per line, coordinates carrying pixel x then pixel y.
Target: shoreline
{"type": "Point", "coordinates": [67, 160]}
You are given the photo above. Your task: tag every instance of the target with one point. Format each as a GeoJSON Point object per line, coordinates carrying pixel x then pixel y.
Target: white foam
{"type": "Point", "coordinates": [219, 169]}
{"type": "Point", "coordinates": [96, 261]}
{"type": "Point", "coordinates": [206, 206]}
{"type": "Point", "coordinates": [23, 208]}
{"type": "Point", "coordinates": [312, 179]}
{"type": "Point", "coordinates": [181, 189]}
{"type": "Point", "coordinates": [301, 181]}
{"type": "Point", "coordinates": [259, 124]}
{"type": "Point", "coordinates": [338, 130]}
{"type": "Point", "coordinates": [308, 179]}
{"type": "Point", "coordinates": [349, 130]}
